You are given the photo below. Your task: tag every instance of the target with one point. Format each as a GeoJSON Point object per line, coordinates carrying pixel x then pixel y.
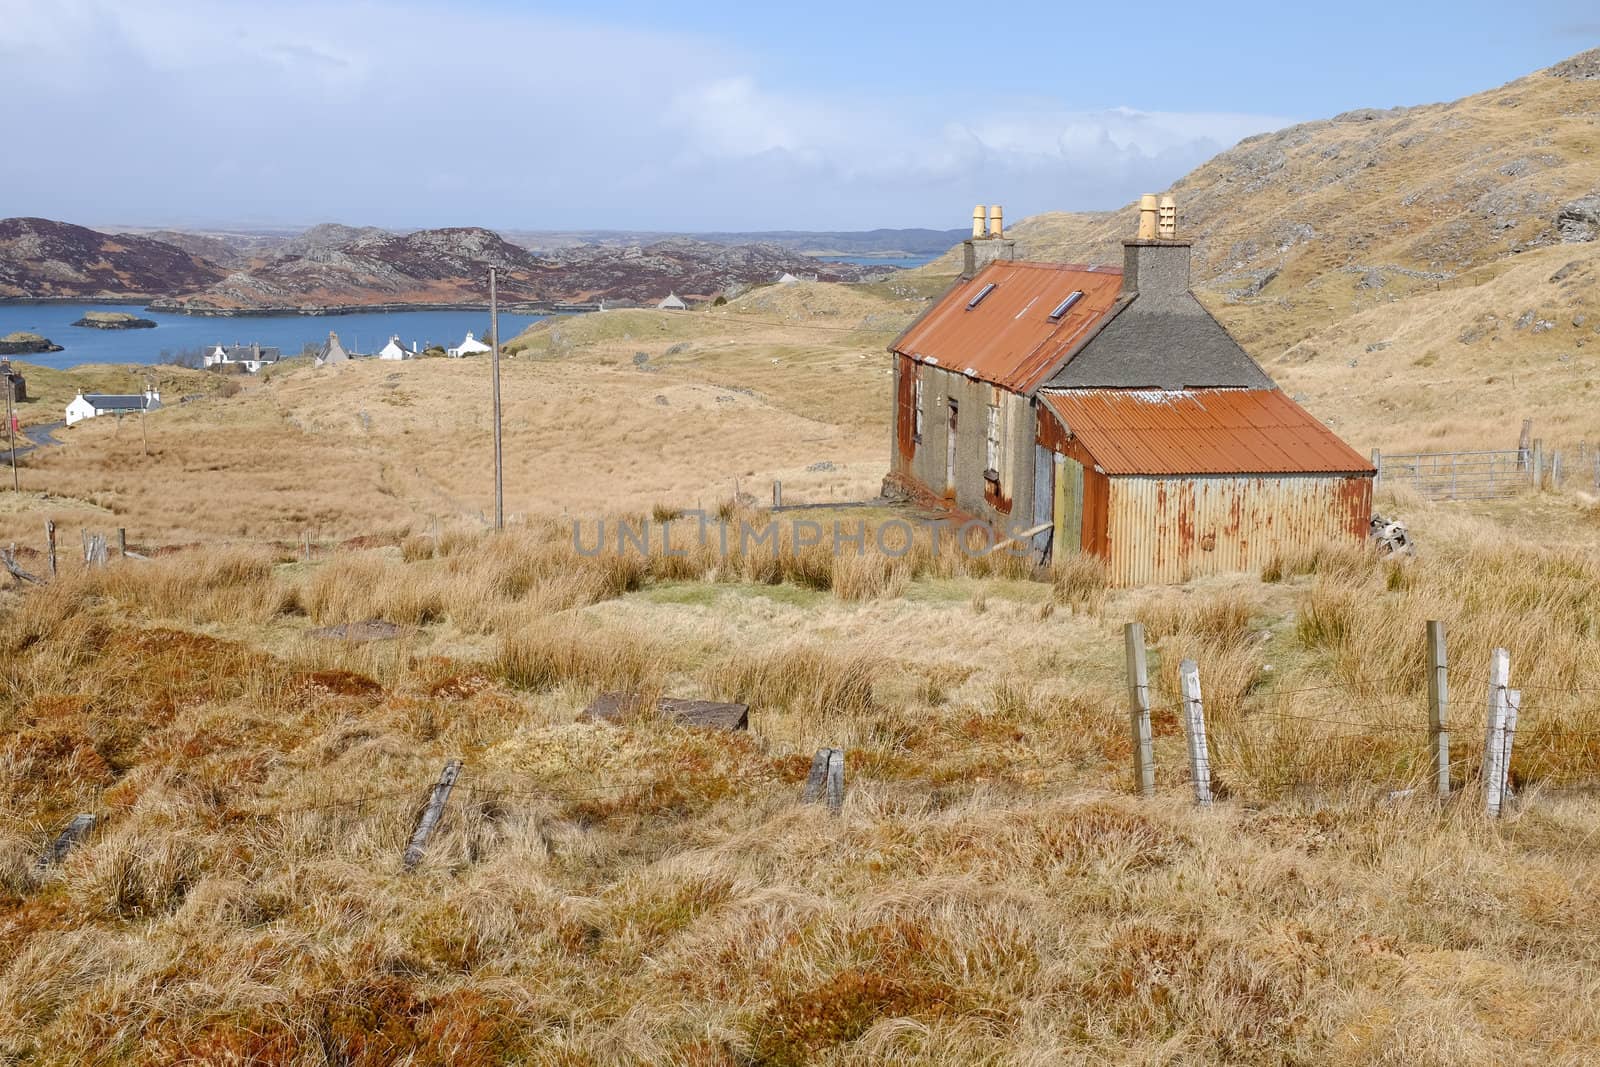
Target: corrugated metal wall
{"type": "Point", "coordinates": [1174, 528]}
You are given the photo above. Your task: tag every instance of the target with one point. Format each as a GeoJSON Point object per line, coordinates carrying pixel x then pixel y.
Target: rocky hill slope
{"type": "Point", "coordinates": [335, 265]}
{"type": "Point", "coordinates": [332, 265]}
{"type": "Point", "coordinates": [1300, 230]}
{"type": "Point", "coordinates": [46, 259]}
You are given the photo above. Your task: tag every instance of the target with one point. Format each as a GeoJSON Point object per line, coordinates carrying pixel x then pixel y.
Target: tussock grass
{"type": "Point", "coordinates": [653, 893]}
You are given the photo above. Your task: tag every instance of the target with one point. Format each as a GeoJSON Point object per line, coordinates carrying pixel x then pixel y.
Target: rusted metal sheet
{"type": "Point", "coordinates": [712, 714]}
{"type": "Point", "coordinates": [1200, 431]}
{"type": "Point", "coordinates": [1172, 529]}
{"type": "Point", "coordinates": [1096, 487]}
{"type": "Point", "coordinates": [905, 412]}
{"type": "Point", "coordinates": [1008, 337]}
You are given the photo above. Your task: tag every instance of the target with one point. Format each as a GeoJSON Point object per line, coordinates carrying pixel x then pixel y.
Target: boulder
{"type": "Point", "coordinates": [1579, 220]}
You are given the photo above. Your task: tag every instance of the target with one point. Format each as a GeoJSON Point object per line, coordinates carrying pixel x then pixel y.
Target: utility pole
{"type": "Point", "coordinates": [494, 345]}
{"type": "Point", "coordinates": [11, 428]}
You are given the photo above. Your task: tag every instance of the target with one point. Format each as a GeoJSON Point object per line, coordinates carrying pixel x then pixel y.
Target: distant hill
{"type": "Point", "coordinates": [344, 266]}
{"type": "Point", "coordinates": [1299, 229]}
{"type": "Point", "coordinates": [882, 242]}
{"type": "Point", "coordinates": [44, 258]}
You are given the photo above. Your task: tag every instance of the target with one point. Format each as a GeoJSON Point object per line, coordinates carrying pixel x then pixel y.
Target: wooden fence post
{"type": "Point", "coordinates": [1538, 464]}
{"type": "Point", "coordinates": [1524, 442]}
{"type": "Point", "coordinates": [1377, 465]}
{"type": "Point", "coordinates": [432, 813]}
{"type": "Point", "coordinates": [1508, 733]}
{"type": "Point", "coordinates": [1555, 470]}
{"type": "Point", "coordinates": [1144, 768]}
{"type": "Point", "coordinates": [122, 540]}
{"type": "Point", "coordinates": [836, 780]}
{"type": "Point", "coordinates": [777, 494]}
{"type": "Point", "coordinates": [50, 542]}
{"type": "Point", "coordinates": [308, 544]}
{"type": "Point", "coordinates": [76, 831]}
{"type": "Point", "coordinates": [1495, 732]}
{"type": "Point", "coordinates": [1194, 729]}
{"type": "Point", "coordinates": [817, 780]}
{"type": "Point", "coordinates": [1438, 707]}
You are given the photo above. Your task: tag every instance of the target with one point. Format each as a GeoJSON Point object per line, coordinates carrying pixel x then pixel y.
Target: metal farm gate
{"type": "Point", "coordinates": [1457, 475]}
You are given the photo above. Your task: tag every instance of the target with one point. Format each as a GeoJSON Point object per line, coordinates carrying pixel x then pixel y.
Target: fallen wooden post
{"type": "Point", "coordinates": [9, 559]}
{"type": "Point", "coordinates": [432, 813]}
{"type": "Point", "coordinates": [1023, 536]}
{"type": "Point", "coordinates": [75, 832]}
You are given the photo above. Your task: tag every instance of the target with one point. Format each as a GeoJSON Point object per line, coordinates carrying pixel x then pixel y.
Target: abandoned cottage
{"type": "Point", "coordinates": [1108, 411]}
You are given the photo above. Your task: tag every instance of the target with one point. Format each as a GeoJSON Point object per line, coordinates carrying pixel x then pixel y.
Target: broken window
{"type": "Point", "coordinates": [916, 404]}
{"type": "Point", "coordinates": [992, 434]}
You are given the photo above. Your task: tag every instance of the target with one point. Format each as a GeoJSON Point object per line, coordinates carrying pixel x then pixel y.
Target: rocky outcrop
{"type": "Point", "coordinates": [24, 344]}
{"type": "Point", "coordinates": [1579, 220]}
{"type": "Point", "coordinates": [114, 320]}
{"type": "Point", "coordinates": [1583, 67]}
{"type": "Point", "coordinates": [40, 258]}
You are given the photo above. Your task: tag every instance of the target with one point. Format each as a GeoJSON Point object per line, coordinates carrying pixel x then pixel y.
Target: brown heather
{"type": "Point", "coordinates": [648, 893]}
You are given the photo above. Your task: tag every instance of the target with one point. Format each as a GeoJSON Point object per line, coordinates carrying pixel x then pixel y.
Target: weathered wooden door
{"type": "Point", "coordinates": [1044, 495]}
{"type": "Point", "coordinates": [1068, 511]}
{"type": "Point", "coordinates": [950, 451]}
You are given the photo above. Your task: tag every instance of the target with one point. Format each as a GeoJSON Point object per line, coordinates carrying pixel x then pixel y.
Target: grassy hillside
{"type": "Point", "coordinates": [1429, 233]}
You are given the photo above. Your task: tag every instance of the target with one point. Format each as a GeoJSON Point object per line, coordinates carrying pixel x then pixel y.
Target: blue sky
{"type": "Point", "coordinates": [814, 115]}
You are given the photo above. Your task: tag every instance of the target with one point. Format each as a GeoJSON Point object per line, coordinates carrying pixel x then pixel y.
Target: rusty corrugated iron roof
{"type": "Point", "coordinates": [1200, 431]}
{"type": "Point", "coordinates": [1008, 338]}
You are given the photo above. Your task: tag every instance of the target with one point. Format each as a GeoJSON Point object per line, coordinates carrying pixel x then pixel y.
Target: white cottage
{"type": "Point", "coordinates": [470, 347]}
{"type": "Point", "coordinates": [251, 357]}
{"type": "Point", "coordinates": [672, 302]}
{"type": "Point", "coordinates": [394, 350]}
{"type": "Point", "coordinates": [90, 405]}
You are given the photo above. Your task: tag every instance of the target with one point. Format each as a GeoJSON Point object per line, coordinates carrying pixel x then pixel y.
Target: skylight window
{"type": "Point", "coordinates": [1066, 305]}
{"type": "Point", "coordinates": [985, 291]}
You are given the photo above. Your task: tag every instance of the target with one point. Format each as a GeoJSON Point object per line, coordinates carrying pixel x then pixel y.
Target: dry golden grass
{"type": "Point", "coordinates": [650, 893]}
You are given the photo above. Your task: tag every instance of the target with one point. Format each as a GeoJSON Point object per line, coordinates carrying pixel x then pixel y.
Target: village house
{"type": "Point", "coordinates": [470, 347]}
{"type": "Point", "coordinates": [395, 350]}
{"type": "Point", "coordinates": [672, 302]}
{"type": "Point", "coordinates": [1105, 411]}
{"type": "Point", "coordinates": [332, 353]}
{"type": "Point", "coordinates": [91, 405]}
{"type": "Point", "coordinates": [251, 357]}
{"type": "Point", "coordinates": [14, 381]}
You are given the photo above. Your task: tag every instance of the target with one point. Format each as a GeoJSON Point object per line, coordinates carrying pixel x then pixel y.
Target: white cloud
{"type": "Point", "coordinates": [425, 114]}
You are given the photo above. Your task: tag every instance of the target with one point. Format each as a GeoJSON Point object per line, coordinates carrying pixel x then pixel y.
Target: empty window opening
{"type": "Point", "coordinates": [992, 438]}
{"type": "Point", "coordinates": [916, 405]}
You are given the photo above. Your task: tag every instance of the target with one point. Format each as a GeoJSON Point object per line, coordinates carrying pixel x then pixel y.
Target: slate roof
{"type": "Point", "coordinates": [1200, 431]}
{"type": "Point", "coordinates": [1161, 348]}
{"type": "Point", "coordinates": [116, 401]}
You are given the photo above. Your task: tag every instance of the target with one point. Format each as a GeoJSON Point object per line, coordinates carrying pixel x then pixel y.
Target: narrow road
{"type": "Point", "coordinates": [41, 435]}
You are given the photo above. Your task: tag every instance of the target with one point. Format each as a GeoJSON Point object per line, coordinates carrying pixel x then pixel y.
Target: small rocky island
{"type": "Point", "coordinates": [23, 344]}
{"type": "Point", "coordinates": [114, 320]}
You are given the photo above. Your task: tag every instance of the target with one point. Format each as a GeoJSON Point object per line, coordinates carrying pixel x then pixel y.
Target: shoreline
{"type": "Point", "coordinates": [153, 305]}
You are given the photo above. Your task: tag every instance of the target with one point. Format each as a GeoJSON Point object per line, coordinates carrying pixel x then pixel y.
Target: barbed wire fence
{"type": "Point", "coordinates": [1406, 735]}
{"type": "Point", "coordinates": [1442, 738]}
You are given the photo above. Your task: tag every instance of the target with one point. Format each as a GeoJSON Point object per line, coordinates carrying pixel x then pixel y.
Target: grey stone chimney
{"type": "Point", "coordinates": [982, 249]}
{"type": "Point", "coordinates": [1155, 263]}
{"type": "Point", "coordinates": [1155, 267]}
